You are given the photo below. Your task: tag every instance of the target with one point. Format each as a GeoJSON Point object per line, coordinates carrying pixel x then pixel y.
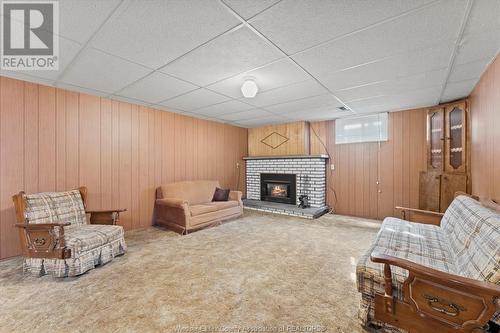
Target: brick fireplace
{"type": "Point", "coordinates": [283, 179]}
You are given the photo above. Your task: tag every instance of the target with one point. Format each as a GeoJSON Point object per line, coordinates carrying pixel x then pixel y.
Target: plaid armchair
{"type": "Point", "coordinates": [55, 236]}
{"type": "Point", "coordinates": [441, 277]}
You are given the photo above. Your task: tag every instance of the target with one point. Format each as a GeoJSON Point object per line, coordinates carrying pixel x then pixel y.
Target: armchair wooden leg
{"type": "Point", "coordinates": [388, 298]}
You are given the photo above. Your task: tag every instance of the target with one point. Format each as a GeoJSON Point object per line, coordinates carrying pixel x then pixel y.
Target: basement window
{"type": "Point", "coordinates": [369, 128]}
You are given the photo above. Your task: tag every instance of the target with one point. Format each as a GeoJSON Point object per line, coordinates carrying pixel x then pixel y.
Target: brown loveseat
{"type": "Point", "coordinates": [186, 206]}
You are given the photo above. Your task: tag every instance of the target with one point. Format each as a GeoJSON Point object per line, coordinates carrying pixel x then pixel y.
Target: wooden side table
{"type": "Point", "coordinates": [109, 217]}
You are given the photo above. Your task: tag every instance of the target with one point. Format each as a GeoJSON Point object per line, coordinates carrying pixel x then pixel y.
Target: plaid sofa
{"type": "Point", "coordinates": [467, 243]}
{"type": "Point", "coordinates": [90, 245]}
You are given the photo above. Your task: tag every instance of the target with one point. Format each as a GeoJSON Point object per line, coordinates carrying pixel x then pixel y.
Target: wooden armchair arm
{"type": "Point", "coordinates": [43, 241]}
{"type": "Point", "coordinates": [99, 211]}
{"type": "Point", "coordinates": [105, 216]}
{"type": "Point", "coordinates": [450, 279]}
{"type": "Point", "coordinates": [441, 298]}
{"type": "Point", "coordinates": [420, 216]}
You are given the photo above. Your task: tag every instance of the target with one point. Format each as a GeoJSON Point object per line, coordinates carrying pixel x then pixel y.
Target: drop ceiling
{"type": "Point", "coordinates": [308, 57]}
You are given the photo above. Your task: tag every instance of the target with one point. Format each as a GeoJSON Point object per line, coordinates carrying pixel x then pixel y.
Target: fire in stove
{"type": "Point", "coordinates": [279, 191]}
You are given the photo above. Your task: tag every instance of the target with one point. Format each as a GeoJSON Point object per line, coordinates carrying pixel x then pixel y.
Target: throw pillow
{"type": "Point", "coordinates": [221, 194]}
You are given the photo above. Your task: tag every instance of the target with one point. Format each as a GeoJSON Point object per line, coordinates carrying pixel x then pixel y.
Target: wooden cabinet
{"type": "Point", "coordinates": [447, 156]}
{"type": "Point", "coordinates": [437, 190]}
{"type": "Point", "coordinates": [450, 184]}
{"type": "Point", "coordinates": [429, 191]}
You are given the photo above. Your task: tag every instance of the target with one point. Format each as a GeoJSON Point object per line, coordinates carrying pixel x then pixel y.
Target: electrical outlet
{"type": "Point", "coordinates": [237, 165]}
{"type": "Point", "coordinates": [332, 167]}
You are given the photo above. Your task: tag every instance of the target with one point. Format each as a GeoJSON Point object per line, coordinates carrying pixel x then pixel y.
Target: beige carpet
{"type": "Point", "coordinates": [260, 273]}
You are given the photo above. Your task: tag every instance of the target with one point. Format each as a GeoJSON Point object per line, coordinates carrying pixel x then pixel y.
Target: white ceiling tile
{"type": "Point", "coordinates": [154, 33]}
{"type": "Point", "coordinates": [262, 121]}
{"type": "Point", "coordinates": [199, 116]}
{"type": "Point", "coordinates": [318, 114]}
{"type": "Point", "coordinates": [456, 90]}
{"type": "Point", "coordinates": [480, 45]}
{"type": "Point", "coordinates": [80, 19]}
{"type": "Point", "coordinates": [247, 9]}
{"type": "Point", "coordinates": [245, 115]}
{"type": "Point", "coordinates": [296, 25]}
{"type": "Point", "coordinates": [422, 102]}
{"type": "Point", "coordinates": [402, 65]}
{"type": "Point", "coordinates": [358, 105]}
{"type": "Point", "coordinates": [228, 55]}
{"type": "Point", "coordinates": [278, 74]}
{"type": "Point", "coordinates": [223, 108]}
{"type": "Point", "coordinates": [422, 97]}
{"type": "Point", "coordinates": [156, 87]}
{"type": "Point", "coordinates": [403, 35]}
{"type": "Point", "coordinates": [393, 107]}
{"type": "Point", "coordinates": [87, 91]}
{"type": "Point", "coordinates": [468, 71]}
{"type": "Point", "coordinates": [288, 93]}
{"type": "Point", "coordinates": [100, 71]}
{"type": "Point", "coordinates": [236, 124]}
{"type": "Point", "coordinates": [67, 52]}
{"type": "Point", "coordinates": [128, 100]}
{"type": "Point", "coordinates": [393, 87]}
{"type": "Point", "coordinates": [195, 100]}
{"type": "Point", "coordinates": [484, 15]}
{"type": "Point", "coordinates": [305, 105]}
{"type": "Point", "coordinates": [165, 108]}
{"type": "Point", "coordinates": [374, 108]}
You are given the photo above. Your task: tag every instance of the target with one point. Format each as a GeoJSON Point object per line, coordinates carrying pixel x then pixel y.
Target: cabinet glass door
{"type": "Point", "coordinates": [435, 137]}
{"type": "Point", "coordinates": [455, 146]}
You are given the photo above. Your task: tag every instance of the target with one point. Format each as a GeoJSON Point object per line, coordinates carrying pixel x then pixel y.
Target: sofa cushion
{"type": "Point", "coordinates": [86, 237]}
{"type": "Point", "coordinates": [211, 207]}
{"type": "Point", "coordinates": [216, 216]}
{"type": "Point", "coordinates": [194, 192]}
{"type": "Point", "coordinates": [423, 244]}
{"type": "Point", "coordinates": [55, 207]}
{"type": "Point", "coordinates": [473, 232]}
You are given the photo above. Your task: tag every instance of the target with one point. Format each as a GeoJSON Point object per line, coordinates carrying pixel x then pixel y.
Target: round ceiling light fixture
{"type": "Point", "coordinates": [249, 88]}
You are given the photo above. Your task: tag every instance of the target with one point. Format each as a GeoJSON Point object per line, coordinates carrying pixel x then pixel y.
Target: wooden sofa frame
{"type": "Point", "coordinates": [434, 301]}
{"type": "Point", "coordinates": [46, 240]}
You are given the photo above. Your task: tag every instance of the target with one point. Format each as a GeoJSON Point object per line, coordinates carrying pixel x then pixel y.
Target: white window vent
{"type": "Point", "coordinates": [369, 128]}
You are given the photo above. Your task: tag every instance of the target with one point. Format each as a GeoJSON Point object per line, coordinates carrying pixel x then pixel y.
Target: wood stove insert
{"type": "Point", "coordinates": [278, 188]}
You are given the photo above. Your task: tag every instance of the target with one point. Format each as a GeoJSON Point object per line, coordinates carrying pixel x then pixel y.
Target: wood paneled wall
{"type": "Point", "coordinates": [485, 133]}
{"type": "Point", "coordinates": [395, 164]}
{"type": "Point", "coordinates": [52, 140]}
{"type": "Point", "coordinates": [297, 143]}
